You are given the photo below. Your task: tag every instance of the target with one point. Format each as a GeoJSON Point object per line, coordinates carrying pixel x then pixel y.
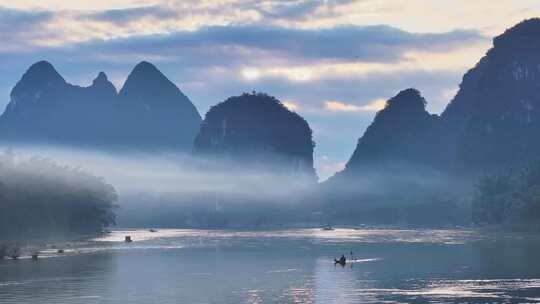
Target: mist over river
{"type": "Point", "coordinates": [282, 266]}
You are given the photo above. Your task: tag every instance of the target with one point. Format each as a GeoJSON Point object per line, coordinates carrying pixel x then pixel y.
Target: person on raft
{"type": "Point", "coordinates": [342, 260]}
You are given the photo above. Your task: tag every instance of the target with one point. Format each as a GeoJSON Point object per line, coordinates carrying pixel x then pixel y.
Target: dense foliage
{"type": "Point", "coordinates": [513, 197]}
{"type": "Point", "coordinates": [39, 198]}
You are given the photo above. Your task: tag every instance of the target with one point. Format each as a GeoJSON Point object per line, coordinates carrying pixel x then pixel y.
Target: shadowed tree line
{"type": "Point", "coordinates": [509, 198]}
{"type": "Point", "coordinates": [39, 198]}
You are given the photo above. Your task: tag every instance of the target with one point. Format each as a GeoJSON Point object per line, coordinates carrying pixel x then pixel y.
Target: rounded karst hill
{"type": "Point", "coordinates": [257, 129]}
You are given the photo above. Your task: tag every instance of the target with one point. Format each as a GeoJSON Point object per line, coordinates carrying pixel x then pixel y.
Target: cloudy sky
{"type": "Point", "coordinates": [334, 62]}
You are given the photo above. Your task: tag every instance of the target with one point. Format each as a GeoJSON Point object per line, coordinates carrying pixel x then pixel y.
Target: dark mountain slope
{"type": "Point", "coordinates": [492, 123]}
{"type": "Point", "coordinates": [155, 112]}
{"type": "Point", "coordinates": [494, 120]}
{"type": "Point", "coordinates": [400, 133]}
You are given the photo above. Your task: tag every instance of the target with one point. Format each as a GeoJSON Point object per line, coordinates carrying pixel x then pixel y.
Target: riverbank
{"type": "Point", "coordinates": [26, 248]}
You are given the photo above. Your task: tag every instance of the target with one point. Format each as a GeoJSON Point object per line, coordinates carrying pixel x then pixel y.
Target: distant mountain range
{"type": "Point", "coordinates": [492, 123]}
{"type": "Point", "coordinates": [148, 113]}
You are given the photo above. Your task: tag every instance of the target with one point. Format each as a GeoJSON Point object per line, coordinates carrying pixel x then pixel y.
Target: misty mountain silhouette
{"type": "Point", "coordinates": [148, 113]}
{"type": "Point", "coordinates": [257, 130]}
{"type": "Point", "coordinates": [156, 112]}
{"type": "Point", "coordinates": [492, 122]}
{"type": "Point", "coordinates": [399, 133]}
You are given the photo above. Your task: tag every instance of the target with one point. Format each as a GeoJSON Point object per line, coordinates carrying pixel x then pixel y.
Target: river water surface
{"type": "Point", "coordinates": [282, 266]}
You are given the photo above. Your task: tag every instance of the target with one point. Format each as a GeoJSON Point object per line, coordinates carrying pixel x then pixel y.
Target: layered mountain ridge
{"type": "Point", "coordinates": [490, 124]}
{"type": "Point", "coordinates": [148, 113]}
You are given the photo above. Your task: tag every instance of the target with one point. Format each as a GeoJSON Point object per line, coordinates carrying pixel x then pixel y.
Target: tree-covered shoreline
{"type": "Point", "coordinates": [510, 198]}
{"type": "Point", "coordinates": [40, 199]}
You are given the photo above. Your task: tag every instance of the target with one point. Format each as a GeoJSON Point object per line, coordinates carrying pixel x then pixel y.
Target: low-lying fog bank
{"type": "Point", "coordinates": [169, 189]}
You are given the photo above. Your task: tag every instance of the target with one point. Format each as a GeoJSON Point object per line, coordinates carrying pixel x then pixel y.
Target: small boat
{"type": "Point", "coordinates": [128, 239]}
{"type": "Point", "coordinates": [153, 230]}
{"type": "Point", "coordinates": [60, 251]}
{"type": "Point", "coordinates": [341, 262]}
{"type": "Point", "coordinates": [327, 228]}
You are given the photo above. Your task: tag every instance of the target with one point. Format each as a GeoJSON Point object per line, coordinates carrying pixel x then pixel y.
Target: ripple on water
{"type": "Point", "coordinates": [284, 266]}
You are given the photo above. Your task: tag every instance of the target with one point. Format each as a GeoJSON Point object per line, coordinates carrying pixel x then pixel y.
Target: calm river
{"type": "Point", "coordinates": [282, 266]}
